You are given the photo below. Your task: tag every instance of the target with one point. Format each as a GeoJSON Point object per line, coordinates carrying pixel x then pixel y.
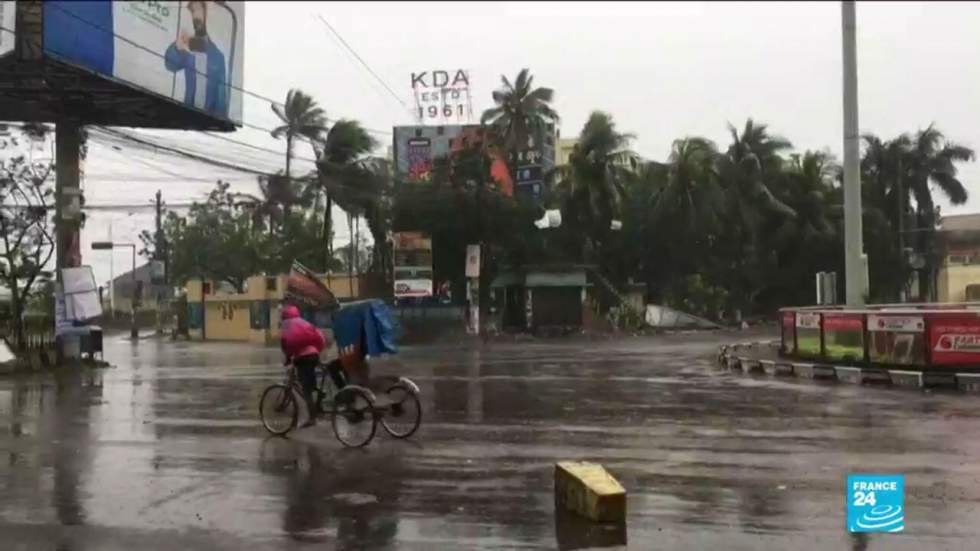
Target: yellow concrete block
{"type": "Point", "coordinates": [589, 490]}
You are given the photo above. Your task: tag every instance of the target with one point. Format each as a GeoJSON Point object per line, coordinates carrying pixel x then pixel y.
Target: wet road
{"type": "Point", "coordinates": [165, 452]}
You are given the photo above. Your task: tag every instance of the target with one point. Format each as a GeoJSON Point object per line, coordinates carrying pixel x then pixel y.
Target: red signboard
{"type": "Point", "coordinates": [955, 339]}
{"type": "Point", "coordinates": [843, 322]}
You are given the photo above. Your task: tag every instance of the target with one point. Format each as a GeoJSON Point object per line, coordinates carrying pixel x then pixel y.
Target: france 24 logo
{"type": "Point", "coordinates": [875, 503]}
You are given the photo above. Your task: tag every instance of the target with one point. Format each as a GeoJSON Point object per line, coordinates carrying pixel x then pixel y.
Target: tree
{"type": "Point", "coordinates": [932, 160]}
{"type": "Point", "coordinates": [341, 149]}
{"type": "Point", "coordinates": [521, 113]}
{"type": "Point", "coordinates": [300, 116]}
{"type": "Point", "coordinates": [895, 172]}
{"type": "Point", "coordinates": [26, 225]}
{"type": "Point", "coordinates": [215, 241]}
{"type": "Point", "coordinates": [593, 183]}
{"type": "Point", "coordinates": [747, 171]}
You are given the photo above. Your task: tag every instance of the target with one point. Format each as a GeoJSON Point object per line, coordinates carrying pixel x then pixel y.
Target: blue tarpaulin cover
{"type": "Point", "coordinates": [373, 318]}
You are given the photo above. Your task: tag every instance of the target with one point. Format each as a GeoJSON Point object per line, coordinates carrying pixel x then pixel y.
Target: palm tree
{"type": "Point", "coordinates": [340, 151]}
{"type": "Point", "coordinates": [521, 113]}
{"type": "Point", "coordinates": [748, 170]}
{"type": "Point", "coordinates": [691, 202]}
{"type": "Point", "coordinates": [594, 180]}
{"type": "Point", "coordinates": [932, 160]}
{"type": "Point", "coordinates": [300, 116]}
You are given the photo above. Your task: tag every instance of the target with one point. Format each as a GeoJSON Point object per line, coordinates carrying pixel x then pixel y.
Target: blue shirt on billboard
{"type": "Point", "coordinates": [213, 85]}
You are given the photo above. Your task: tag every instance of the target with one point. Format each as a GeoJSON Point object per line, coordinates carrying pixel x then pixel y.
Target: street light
{"type": "Point", "coordinates": [108, 246]}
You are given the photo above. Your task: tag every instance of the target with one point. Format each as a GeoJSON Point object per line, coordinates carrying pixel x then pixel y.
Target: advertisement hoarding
{"type": "Point", "coordinates": [896, 339]}
{"type": "Point", "coordinates": [412, 264]}
{"type": "Point", "coordinates": [8, 22]}
{"type": "Point", "coordinates": [417, 148]}
{"type": "Point", "coordinates": [954, 339]}
{"type": "Point", "coordinates": [191, 52]}
{"type": "Point", "coordinates": [808, 333]}
{"type": "Point", "coordinates": [789, 332]}
{"type": "Point", "coordinates": [844, 336]}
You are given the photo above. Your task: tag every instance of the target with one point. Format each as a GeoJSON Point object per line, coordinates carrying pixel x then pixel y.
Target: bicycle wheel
{"type": "Point", "coordinates": [353, 419]}
{"type": "Point", "coordinates": [404, 414]}
{"type": "Point", "coordinates": [278, 409]}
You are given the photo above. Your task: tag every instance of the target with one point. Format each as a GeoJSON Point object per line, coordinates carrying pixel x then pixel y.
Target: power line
{"type": "Point", "coordinates": [364, 63]}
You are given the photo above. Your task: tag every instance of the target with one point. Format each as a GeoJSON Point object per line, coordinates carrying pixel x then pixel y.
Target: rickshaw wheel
{"type": "Point", "coordinates": [404, 414]}
{"type": "Point", "coordinates": [278, 409]}
{"type": "Point", "coordinates": [353, 419]}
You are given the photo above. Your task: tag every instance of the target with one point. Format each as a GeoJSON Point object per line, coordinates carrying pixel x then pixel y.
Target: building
{"type": "Point", "coordinates": [540, 297]}
{"type": "Point", "coordinates": [958, 240]}
{"type": "Point", "coordinates": [564, 150]}
{"type": "Point", "coordinates": [563, 153]}
{"type": "Point", "coordinates": [154, 296]}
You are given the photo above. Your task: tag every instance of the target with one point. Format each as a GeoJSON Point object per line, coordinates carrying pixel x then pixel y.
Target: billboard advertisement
{"type": "Point", "coordinates": [8, 20]}
{"type": "Point", "coordinates": [417, 148]}
{"type": "Point", "coordinates": [844, 336]}
{"type": "Point", "coordinates": [955, 339]}
{"type": "Point", "coordinates": [413, 264]}
{"type": "Point", "coordinates": [190, 52]}
{"type": "Point", "coordinates": [897, 339]}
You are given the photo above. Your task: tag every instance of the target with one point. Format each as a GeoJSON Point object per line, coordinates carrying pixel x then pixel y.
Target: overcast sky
{"type": "Point", "coordinates": [664, 71]}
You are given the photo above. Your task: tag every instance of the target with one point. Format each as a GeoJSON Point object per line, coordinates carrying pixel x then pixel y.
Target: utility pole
{"type": "Point", "coordinates": [854, 266]}
{"type": "Point", "coordinates": [68, 141]}
{"type": "Point", "coordinates": [160, 255]}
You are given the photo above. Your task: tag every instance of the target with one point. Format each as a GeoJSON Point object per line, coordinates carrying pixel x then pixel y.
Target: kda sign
{"type": "Point", "coordinates": [442, 96]}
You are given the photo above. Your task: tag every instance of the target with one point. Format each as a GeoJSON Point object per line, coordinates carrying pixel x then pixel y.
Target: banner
{"type": "Point", "coordinates": [191, 52]}
{"type": "Point", "coordinates": [8, 22]}
{"type": "Point", "coordinates": [955, 339]}
{"type": "Point", "coordinates": [303, 286]}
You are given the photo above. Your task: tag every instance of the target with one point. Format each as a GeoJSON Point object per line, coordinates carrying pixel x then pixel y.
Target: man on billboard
{"type": "Point", "coordinates": [203, 64]}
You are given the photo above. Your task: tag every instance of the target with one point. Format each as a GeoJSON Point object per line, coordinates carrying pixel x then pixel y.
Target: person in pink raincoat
{"type": "Point", "coordinates": [302, 343]}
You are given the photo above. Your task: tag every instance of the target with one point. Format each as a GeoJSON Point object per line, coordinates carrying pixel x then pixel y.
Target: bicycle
{"type": "Point", "coordinates": [355, 411]}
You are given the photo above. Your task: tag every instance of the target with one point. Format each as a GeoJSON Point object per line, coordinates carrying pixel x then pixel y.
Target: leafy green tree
{"type": "Point", "coordinates": [26, 225]}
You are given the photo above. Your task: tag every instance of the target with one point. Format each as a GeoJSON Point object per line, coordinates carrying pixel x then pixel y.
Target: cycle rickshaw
{"type": "Point", "coordinates": [362, 330]}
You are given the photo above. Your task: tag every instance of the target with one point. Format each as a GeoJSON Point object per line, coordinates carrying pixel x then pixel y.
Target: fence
{"type": "Point", "coordinates": [922, 336]}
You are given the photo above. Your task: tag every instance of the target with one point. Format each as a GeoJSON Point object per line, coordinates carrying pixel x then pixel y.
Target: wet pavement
{"type": "Point", "coordinates": [165, 451]}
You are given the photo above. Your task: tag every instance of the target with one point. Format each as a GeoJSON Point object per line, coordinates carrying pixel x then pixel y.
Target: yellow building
{"type": "Point", "coordinates": [564, 150]}
{"type": "Point", "coordinates": [958, 279]}
{"type": "Point", "coordinates": [251, 316]}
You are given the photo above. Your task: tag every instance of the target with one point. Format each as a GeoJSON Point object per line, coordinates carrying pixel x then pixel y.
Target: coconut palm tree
{"type": "Point", "coordinates": [520, 113]}
{"type": "Point", "coordinates": [300, 116]}
{"type": "Point", "coordinates": [593, 183]}
{"type": "Point", "coordinates": [932, 160]}
{"type": "Point", "coordinates": [339, 150]}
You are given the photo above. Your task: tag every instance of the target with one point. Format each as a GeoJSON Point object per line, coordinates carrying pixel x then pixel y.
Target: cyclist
{"type": "Point", "coordinates": [301, 344]}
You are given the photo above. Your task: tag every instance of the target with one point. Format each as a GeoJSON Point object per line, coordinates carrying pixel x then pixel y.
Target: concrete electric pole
{"type": "Point", "coordinates": [854, 263]}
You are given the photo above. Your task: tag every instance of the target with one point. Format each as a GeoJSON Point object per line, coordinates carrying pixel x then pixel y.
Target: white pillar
{"type": "Point", "coordinates": [853, 236]}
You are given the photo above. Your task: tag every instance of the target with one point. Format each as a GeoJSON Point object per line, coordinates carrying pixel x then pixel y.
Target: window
{"type": "Point", "coordinates": [271, 283]}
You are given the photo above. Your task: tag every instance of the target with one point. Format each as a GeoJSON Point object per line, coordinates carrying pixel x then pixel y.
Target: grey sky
{"type": "Point", "coordinates": [663, 71]}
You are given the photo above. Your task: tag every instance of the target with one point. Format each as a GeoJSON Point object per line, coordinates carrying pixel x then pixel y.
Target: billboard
{"type": "Point", "coordinates": [413, 264]}
{"type": "Point", "coordinates": [190, 52]}
{"type": "Point", "coordinates": [8, 20]}
{"type": "Point", "coordinates": [416, 148]}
